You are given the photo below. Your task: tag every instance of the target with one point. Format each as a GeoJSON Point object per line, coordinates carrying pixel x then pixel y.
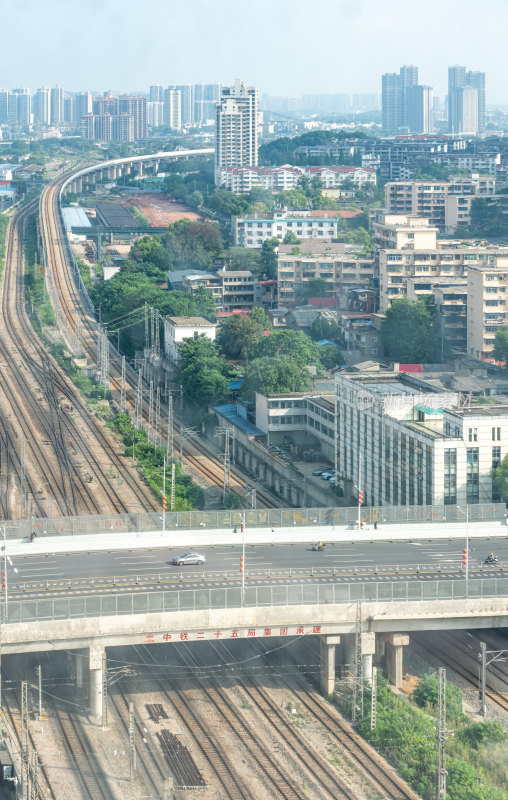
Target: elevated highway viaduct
{"type": "Point", "coordinates": [358, 593]}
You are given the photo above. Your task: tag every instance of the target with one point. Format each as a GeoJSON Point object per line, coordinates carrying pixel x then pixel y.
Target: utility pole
{"type": "Point", "coordinates": [139, 400]}
{"type": "Point", "coordinates": [172, 486]}
{"type": "Point", "coordinates": [147, 335]}
{"type": "Point", "coordinates": [122, 388]}
{"type": "Point", "coordinates": [441, 736]}
{"type": "Point", "coordinates": [132, 744]}
{"type": "Point", "coordinates": [39, 680]}
{"type": "Point", "coordinates": [104, 691]}
{"type": "Point", "coordinates": [170, 452]}
{"type": "Point", "coordinates": [157, 347]}
{"type": "Point", "coordinates": [35, 776]}
{"type": "Point", "coordinates": [373, 701]}
{"type": "Point", "coordinates": [164, 498]}
{"type": "Point", "coordinates": [358, 681]}
{"type": "Point", "coordinates": [152, 331]}
{"type": "Point", "coordinates": [150, 413]}
{"type": "Point", "coordinates": [22, 478]}
{"type": "Point", "coordinates": [483, 677]}
{"type": "Point", "coordinates": [226, 460]}
{"type": "Point", "coordinates": [157, 415]}
{"type": "Point", "coordinates": [25, 780]}
{"type": "Point", "coordinates": [79, 335]}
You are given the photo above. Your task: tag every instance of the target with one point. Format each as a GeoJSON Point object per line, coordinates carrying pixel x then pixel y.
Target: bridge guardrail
{"type": "Point", "coordinates": [231, 575]}
{"type": "Point", "coordinates": [180, 521]}
{"type": "Point", "coordinates": [203, 599]}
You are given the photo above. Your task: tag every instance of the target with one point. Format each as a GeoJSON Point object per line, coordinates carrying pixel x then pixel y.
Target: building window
{"type": "Point", "coordinates": [472, 475]}
{"type": "Point", "coordinates": [496, 434]}
{"type": "Point", "coordinates": [450, 477]}
{"type": "Point", "coordinates": [473, 434]}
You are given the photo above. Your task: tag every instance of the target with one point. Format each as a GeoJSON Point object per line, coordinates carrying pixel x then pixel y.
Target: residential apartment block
{"type": "Point", "coordinates": [177, 329]}
{"type": "Point", "coordinates": [407, 247]}
{"type": "Point", "coordinates": [416, 446]}
{"type": "Point", "coordinates": [243, 179]}
{"type": "Point", "coordinates": [447, 204]}
{"type": "Point", "coordinates": [487, 305]}
{"type": "Point", "coordinates": [335, 262]}
{"type": "Point", "coordinates": [253, 231]}
{"type": "Point", "coordinates": [233, 290]}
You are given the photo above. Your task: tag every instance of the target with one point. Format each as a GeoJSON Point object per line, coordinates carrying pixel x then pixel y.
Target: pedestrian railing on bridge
{"type": "Point", "coordinates": [254, 518]}
{"type": "Point", "coordinates": [203, 599]}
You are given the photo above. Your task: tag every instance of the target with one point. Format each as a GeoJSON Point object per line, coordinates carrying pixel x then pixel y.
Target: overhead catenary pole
{"type": "Point", "coordinates": [441, 736]}
{"type": "Point", "coordinates": [147, 334]}
{"type": "Point", "coordinates": [172, 486]}
{"type": "Point", "coordinates": [483, 678]}
{"type": "Point", "coordinates": [139, 400]}
{"type": "Point", "coordinates": [104, 691]}
{"type": "Point", "coordinates": [157, 415]}
{"type": "Point", "coordinates": [132, 743]}
{"type": "Point", "coordinates": [122, 388]}
{"type": "Point", "coordinates": [25, 756]}
{"type": "Point", "coordinates": [373, 700]}
{"type": "Point", "coordinates": [150, 413]}
{"type": "Point", "coordinates": [170, 452]}
{"type": "Point", "coordinates": [360, 492]}
{"type": "Point", "coordinates": [39, 682]}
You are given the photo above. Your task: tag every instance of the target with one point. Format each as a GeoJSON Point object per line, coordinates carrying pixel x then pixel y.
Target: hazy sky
{"type": "Point", "coordinates": [281, 46]}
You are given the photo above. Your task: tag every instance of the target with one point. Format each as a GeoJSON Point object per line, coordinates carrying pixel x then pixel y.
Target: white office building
{"type": "Point", "coordinates": [405, 445]}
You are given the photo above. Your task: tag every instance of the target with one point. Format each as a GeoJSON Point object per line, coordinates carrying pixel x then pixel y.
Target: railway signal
{"type": "Point", "coordinates": [464, 557]}
{"type": "Point", "coordinates": [360, 498]}
{"type": "Point", "coordinates": [165, 503]}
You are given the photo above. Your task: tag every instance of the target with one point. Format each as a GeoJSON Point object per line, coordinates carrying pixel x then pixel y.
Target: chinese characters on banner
{"type": "Point", "coordinates": [233, 633]}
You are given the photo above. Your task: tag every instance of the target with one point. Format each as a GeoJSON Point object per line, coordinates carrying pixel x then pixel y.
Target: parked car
{"type": "Point", "coordinates": [188, 558]}
{"type": "Point", "coordinates": [327, 475]}
{"type": "Point", "coordinates": [319, 471]}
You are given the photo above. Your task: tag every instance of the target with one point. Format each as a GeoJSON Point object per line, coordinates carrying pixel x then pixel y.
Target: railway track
{"type": "Point", "coordinates": [13, 725]}
{"type": "Point", "coordinates": [460, 658]}
{"type": "Point", "coordinates": [56, 443]}
{"type": "Point", "coordinates": [75, 314]}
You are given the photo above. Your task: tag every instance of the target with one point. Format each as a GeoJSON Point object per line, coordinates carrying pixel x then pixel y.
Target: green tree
{"type": "Point", "coordinates": [238, 334]}
{"type": "Point", "coordinates": [330, 356]}
{"type": "Point", "coordinates": [408, 332]}
{"type": "Point", "coordinates": [226, 204]}
{"type": "Point", "coordinates": [245, 258]}
{"type": "Point", "coordinates": [269, 257]}
{"type": "Point", "coordinates": [201, 371]}
{"type": "Point", "coordinates": [273, 375]}
{"type": "Point", "coordinates": [501, 344]}
{"type": "Point", "coordinates": [294, 345]}
{"type": "Point", "coordinates": [291, 238]}
{"type": "Point", "coordinates": [314, 287]}
{"type": "Point", "coordinates": [323, 328]}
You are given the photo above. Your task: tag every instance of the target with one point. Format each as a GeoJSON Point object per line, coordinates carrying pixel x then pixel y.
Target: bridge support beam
{"type": "Point", "coordinates": [80, 663]}
{"type": "Point", "coordinates": [327, 646]}
{"type": "Point", "coordinates": [95, 695]}
{"type": "Point", "coordinates": [394, 650]}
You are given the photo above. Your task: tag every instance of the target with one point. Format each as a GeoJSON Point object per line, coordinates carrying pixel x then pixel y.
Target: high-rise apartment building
{"type": "Point", "coordinates": [206, 97]}
{"type": "Point", "coordinates": [156, 93]}
{"type": "Point", "coordinates": [487, 305]}
{"type": "Point", "coordinates": [172, 108]}
{"type": "Point", "coordinates": [83, 104]}
{"type": "Point", "coordinates": [20, 108]}
{"type": "Point", "coordinates": [420, 109]}
{"type": "Point", "coordinates": [4, 106]}
{"type": "Point", "coordinates": [155, 113]}
{"type": "Point", "coordinates": [57, 105]}
{"type": "Point", "coordinates": [135, 106]}
{"type": "Point", "coordinates": [42, 106]}
{"type": "Point", "coordinates": [186, 103]}
{"type": "Point", "coordinates": [395, 97]}
{"type": "Point", "coordinates": [466, 100]}
{"type": "Point", "coordinates": [236, 134]}
{"type": "Point", "coordinates": [69, 108]}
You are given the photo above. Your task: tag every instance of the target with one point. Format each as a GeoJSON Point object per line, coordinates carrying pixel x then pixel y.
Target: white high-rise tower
{"type": "Point", "coordinates": [236, 133]}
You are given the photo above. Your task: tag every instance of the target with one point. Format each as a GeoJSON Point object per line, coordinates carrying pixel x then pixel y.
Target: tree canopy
{"type": "Point", "coordinates": [238, 334]}
{"type": "Point", "coordinates": [294, 345]}
{"type": "Point", "coordinates": [408, 332]}
{"type": "Point", "coordinates": [201, 371]}
{"type": "Point", "coordinates": [275, 374]}
{"type": "Point", "coordinates": [501, 344]}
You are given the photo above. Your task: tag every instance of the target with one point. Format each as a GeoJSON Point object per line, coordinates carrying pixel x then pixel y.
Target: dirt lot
{"type": "Point", "coordinates": [157, 207]}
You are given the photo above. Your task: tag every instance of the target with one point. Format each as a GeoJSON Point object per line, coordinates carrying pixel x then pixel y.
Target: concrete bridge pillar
{"type": "Point", "coordinates": [394, 650]}
{"type": "Point", "coordinates": [327, 646]}
{"type": "Point", "coordinates": [368, 650]}
{"type": "Point", "coordinates": [95, 681]}
{"type": "Point", "coordinates": [80, 658]}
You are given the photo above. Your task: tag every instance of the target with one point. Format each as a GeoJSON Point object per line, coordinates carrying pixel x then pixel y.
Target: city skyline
{"type": "Point", "coordinates": [201, 47]}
